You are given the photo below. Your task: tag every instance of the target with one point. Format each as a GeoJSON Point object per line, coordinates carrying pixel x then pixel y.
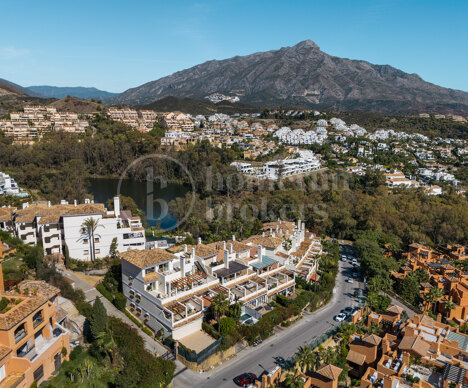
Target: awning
{"type": "Point", "coordinates": [265, 262]}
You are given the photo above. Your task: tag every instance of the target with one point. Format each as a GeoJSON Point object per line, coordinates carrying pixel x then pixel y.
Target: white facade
{"type": "Point", "coordinates": [57, 227]}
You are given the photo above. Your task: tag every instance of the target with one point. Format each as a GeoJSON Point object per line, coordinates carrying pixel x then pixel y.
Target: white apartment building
{"type": "Point", "coordinates": [58, 227]}
{"type": "Point", "coordinates": [172, 290]}
{"type": "Point", "coordinates": [8, 185]}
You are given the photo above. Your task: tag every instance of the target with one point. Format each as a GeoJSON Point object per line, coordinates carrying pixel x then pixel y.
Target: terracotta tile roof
{"type": "Point", "coordinates": [267, 241]}
{"type": "Point", "coordinates": [372, 339]}
{"type": "Point", "coordinates": [29, 304]}
{"type": "Point", "coordinates": [41, 209]}
{"type": "Point", "coordinates": [4, 351]}
{"type": "Point", "coordinates": [415, 344]}
{"type": "Point", "coordinates": [426, 320]}
{"type": "Point", "coordinates": [203, 250]}
{"type": "Point", "coordinates": [147, 257]}
{"type": "Point", "coordinates": [4, 214]}
{"type": "Point", "coordinates": [356, 357]}
{"type": "Point", "coordinates": [282, 226]}
{"type": "Point", "coordinates": [331, 372]}
{"type": "Point", "coordinates": [395, 309]}
{"type": "Point", "coordinates": [175, 249]}
{"type": "Point", "coordinates": [53, 219]}
{"type": "Point", "coordinates": [236, 246]}
{"type": "Point", "coordinates": [426, 285]}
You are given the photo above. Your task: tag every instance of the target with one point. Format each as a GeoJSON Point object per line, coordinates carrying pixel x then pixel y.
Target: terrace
{"type": "Point", "coordinates": [184, 309]}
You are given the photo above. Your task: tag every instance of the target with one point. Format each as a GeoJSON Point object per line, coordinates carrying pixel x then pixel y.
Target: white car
{"type": "Point", "coordinates": [340, 317]}
{"type": "Point", "coordinates": [354, 262]}
{"type": "Point", "coordinates": [343, 258]}
{"type": "Point", "coordinates": [350, 280]}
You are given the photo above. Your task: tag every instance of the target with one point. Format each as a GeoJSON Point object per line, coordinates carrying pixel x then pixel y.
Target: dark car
{"type": "Point", "coordinates": [245, 379]}
{"type": "Point", "coordinates": [348, 311]}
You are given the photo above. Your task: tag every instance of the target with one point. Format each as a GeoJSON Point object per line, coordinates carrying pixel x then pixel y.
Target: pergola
{"type": "Point", "coordinates": [188, 280]}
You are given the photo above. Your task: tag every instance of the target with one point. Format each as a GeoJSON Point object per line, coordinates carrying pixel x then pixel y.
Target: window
{"type": "Point", "coordinates": [38, 373]}
{"type": "Point", "coordinates": [98, 251]}
{"type": "Point", "coordinates": [86, 252]}
{"type": "Point", "coordinates": [96, 239]}
{"type": "Point", "coordinates": [138, 311]}
{"type": "Point", "coordinates": [85, 241]}
{"type": "Point", "coordinates": [57, 361]}
{"type": "Point", "coordinates": [2, 372]}
{"type": "Point", "coordinates": [132, 306]}
{"type": "Point", "coordinates": [37, 319]}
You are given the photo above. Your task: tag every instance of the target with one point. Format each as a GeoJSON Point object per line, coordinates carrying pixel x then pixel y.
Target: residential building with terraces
{"type": "Point", "coordinates": [171, 289]}
{"type": "Point", "coordinates": [441, 267]}
{"type": "Point", "coordinates": [60, 227]}
{"type": "Point", "coordinates": [32, 343]}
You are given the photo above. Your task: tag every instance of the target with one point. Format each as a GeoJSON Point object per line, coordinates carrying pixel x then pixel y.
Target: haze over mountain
{"type": "Point", "coordinates": [306, 77]}
{"type": "Point", "coordinates": [73, 91]}
{"type": "Point", "coordinates": [8, 87]}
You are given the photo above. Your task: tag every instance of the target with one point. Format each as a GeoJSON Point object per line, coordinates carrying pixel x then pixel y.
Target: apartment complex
{"type": "Point", "coordinates": [60, 227]}
{"type": "Point", "coordinates": [34, 121]}
{"type": "Point", "coordinates": [142, 121]}
{"type": "Point", "coordinates": [171, 289]}
{"type": "Point", "coordinates": [419, 352]}
{"type": "Point", "coordinates": [177, 122]}
{"type": "Point", "coordinates": [32, 343]}
{"type": "Point", "coordinates": [440, 265]}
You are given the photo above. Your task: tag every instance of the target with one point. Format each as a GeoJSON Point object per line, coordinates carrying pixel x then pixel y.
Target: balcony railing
{"type": "Point", "coordinates": [37, 322]}
{"type": "Point", "coordinates": [20, 335]}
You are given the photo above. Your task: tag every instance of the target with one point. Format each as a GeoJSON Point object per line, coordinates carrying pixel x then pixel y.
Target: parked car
{"type": "Point", "coordinates": [257, 342]}
{"type": "Point", "coordinates": [245, 379]}
{"type": "Point", "coordinates": [280, 360]}
{"type": "Point", "coordinates": [343, 258]}
{"type": "Point", "coordinates": [340, 317]}
{"type": "Point", "coordinates": [348, 311]}
{"type": "Point", "coordinates": [350, 280]}
{"type": "Point", "coordinates": [354, 262]}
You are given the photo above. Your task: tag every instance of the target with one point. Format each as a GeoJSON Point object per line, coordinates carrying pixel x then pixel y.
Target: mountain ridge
{"type": "Point", "coordinates": [72, 91]}
{"type": "Point", "coordinates": [306, 77]}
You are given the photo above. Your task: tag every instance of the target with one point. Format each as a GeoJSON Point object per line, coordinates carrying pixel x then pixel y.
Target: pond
{"type": "Point", "coordinates": [150, 197]}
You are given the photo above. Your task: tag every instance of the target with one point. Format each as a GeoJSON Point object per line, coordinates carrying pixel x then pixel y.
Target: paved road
{"type": "Point", "coordinates": [284, 344]}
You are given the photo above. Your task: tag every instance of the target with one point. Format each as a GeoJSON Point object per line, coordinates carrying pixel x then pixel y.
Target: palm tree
{"type": "Point", "coordinates": [106, 342]}
{"type": "Point", "coordinates": [303, 356]}
{"type": "Point", "coordinates": [235, 309]}
{"type": "Point", "coordinates": [436, 293]}
{"type": "Point", "coordinates": [88, 228]}
{"type": "Point", "coordinates": [449, 305]}
{"type": "Point", "coordinates": [294, 380]}
{"type": "Point", "coordinates": [220, 306]}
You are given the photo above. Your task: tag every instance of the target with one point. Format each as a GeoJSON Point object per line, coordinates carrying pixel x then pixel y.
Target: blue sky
{"type": "Point", "coordinates": [115, 45]}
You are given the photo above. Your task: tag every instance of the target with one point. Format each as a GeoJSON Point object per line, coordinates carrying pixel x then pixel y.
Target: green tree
{"type": "Point", "coordinates": [98, 319]}
{"type": "Point", "coordinates": [409, 289]}
{"type": "Point", "coordinates": [220, 306]}
{"type": "Point", "coordinates": [88, 229]}
{"type": "Point", "coordinates": [448, 306]}
{"type": "Point", "coordinates": [227, 326]}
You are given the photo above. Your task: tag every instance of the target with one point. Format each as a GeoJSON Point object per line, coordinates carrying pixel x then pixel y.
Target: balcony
{"type": "Point", "coordinates": [20, 335]}
{"type": "Point", "coordinates": [37, 322]}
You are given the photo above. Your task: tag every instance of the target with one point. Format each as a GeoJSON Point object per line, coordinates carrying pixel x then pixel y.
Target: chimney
{"type": "Point", "coordinates": [230, 248]}
{"type": "Point", "coordinates": [263, 234]}
{"type": "Point", "coordinates": [199, 240]}
{"type": "Point", "coordinates": [193, 253]}
{"type": "Point", "coordinates": [277, 227]}
{"type": "Point", "coordinates": [226, 258]}
{"type": "Point", "coordinates": [48, 204]}
{"type": "Point", "coordinates": [182, 266]}
{"type": "Point", "coordinates": [233, 237]}
{"type": "Point", "coordinates": [185, 248]}
{"type": "Point", "coordinates": [2, 286]}
{"type": "Point", "coordinates": [75, 203]}
{"type": "Point", "coordinates": [92, 201]}
{"type": "Point", "coordinates": [224, 245]}
{"type": "Point", "coordinates": [117, 206]}
{"type": "Point", "coordinates": [273, 234]}
{"type": "Point", "coordinates": [25, 205]}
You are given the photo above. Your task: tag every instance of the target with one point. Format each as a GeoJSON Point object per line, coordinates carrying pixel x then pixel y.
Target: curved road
{"type": "Point", "coordinates": [284, 344]}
